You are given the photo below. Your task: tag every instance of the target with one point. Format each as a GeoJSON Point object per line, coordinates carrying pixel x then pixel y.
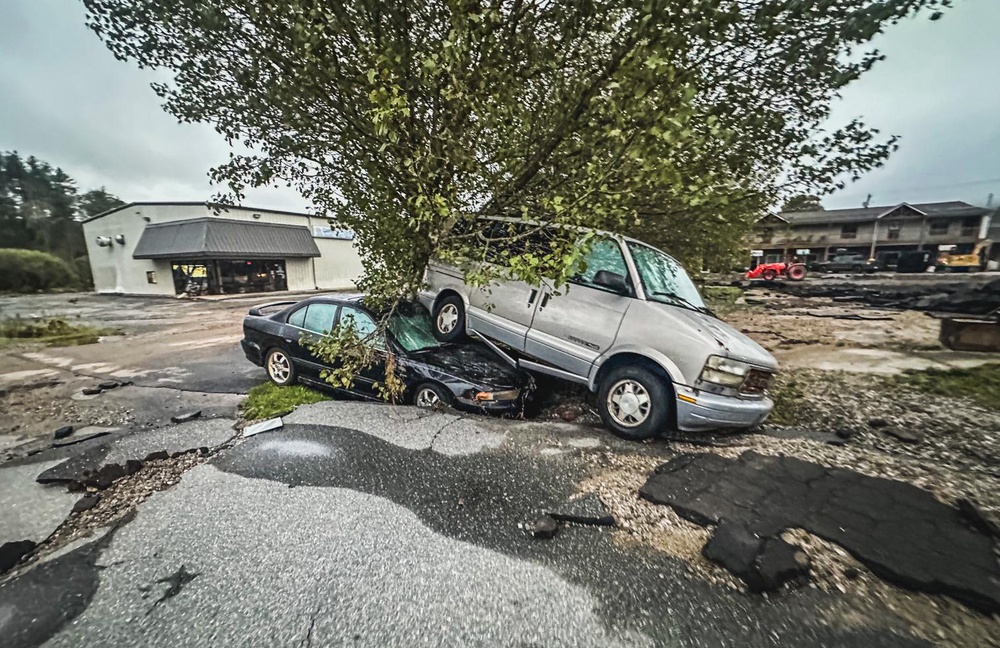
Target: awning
{"type": "Point", "coordinates": [221, 238]}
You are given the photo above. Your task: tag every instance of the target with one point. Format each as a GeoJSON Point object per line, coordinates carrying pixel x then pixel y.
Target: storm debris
{"type": "Point", "coordinates": [545, 527]}
{"type": "Point", "coordinates": [587, 509]}
{"type": "Point", "coordinates": [86, 503]}
{"type": "Point", "coordinates": [764, 564]}
{"type": "Point", "coordinates": [63, 432]}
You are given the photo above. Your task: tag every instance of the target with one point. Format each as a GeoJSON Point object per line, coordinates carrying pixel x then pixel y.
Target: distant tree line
{"type": "Point", "coordinates": [42, 210]}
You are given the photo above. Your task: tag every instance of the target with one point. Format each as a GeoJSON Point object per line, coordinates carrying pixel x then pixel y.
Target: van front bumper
{"type": "Point", "coordinates": [712, 412]}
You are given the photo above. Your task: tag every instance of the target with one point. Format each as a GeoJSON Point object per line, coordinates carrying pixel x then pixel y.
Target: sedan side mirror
{"type": "Point", "coordinates": [612, 281]}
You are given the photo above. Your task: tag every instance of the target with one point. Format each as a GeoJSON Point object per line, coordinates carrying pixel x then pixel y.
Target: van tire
{"type": "Point", "coordinates": [631, 379]}
{"type": "Point", "coordinates": [449, 310]}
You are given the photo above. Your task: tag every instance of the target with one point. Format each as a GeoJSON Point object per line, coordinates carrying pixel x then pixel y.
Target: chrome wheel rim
{"type": "Point", "coordinates": [278, 367]}
{"type": "Point", "coordinates": [427, 397]}
{"type": "Point", "coordinates": [447, 318]}
{"type": "Point", "coordinates": [628, 403]}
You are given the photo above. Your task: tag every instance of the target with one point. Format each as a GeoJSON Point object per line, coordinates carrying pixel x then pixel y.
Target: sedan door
{"type": "Point", "coordinates": [309, 322]}
{"type": "Point", "coordinates": [365, 327]}
{"type": "Point", "coordinates": [572, 328]}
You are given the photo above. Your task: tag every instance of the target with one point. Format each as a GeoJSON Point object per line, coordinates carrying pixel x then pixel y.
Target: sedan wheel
{"type": "Point", "coordinates": [430, 396]}
{"type": "Point", "coordinates": [279, 368]}
{"type": "Point", "coordinates": [628, 403]}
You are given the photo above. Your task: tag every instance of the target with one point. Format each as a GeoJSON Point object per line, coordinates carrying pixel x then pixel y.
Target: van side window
{"type": "Point", "coordinates": [504, 239]}
{"type": "Point", "coordinates": [605, 254]}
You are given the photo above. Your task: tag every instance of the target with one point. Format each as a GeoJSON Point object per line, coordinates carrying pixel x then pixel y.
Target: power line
{"type": "Point", "coordinates": [880, 190]}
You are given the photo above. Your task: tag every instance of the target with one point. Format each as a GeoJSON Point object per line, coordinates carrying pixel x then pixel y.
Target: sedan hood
{"type": "Point", "coordinates": [472, 363]}
{"type": "Point", "coordinates": [737, 345]}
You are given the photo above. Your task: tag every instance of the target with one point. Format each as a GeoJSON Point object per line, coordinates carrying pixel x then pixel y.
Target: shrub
{"type": "Point", "coordinates": [83, 272]}
{"type": "Point", "coordinates": [30, 271]}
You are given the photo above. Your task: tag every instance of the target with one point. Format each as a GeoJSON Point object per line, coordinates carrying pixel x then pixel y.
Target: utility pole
{"type": "Point", "coordinates": [989, 201]}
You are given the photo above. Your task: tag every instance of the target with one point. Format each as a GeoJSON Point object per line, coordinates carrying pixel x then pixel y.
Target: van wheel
{"type": "Point", "coordinates": [634, 403]}
{"type": "Point", "coordinates": [449, 319]}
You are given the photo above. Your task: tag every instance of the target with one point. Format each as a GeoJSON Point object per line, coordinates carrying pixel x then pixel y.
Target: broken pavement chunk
{"type": "Point", "coordinates": [11, 553]}
{"type": "Point", "coordinates": [86, 503]}
{"type": "Point", "coordinates": [109, 384]}
{"type": "Point", "coordinates": [778, 563]}
{"type": "Point", "coordinates": [91, 391]}
{"type": "Point", "coordinates": [545, 527]}
{"type": "Point", "coordinates": [734, 547]}
{"type": "Point", "coordinates": [186, 417]}
{"type": "Point", "coordinates": [906, 436]}
{"type": "Point", "coordinates": [63, 432]}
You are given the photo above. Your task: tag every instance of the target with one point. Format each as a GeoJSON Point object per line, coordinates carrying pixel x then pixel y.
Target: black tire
{"type": "Point", "coordinates": [281, 358]}
{"type": "Point", "coordinates": [660, 401]}
{"type": "Point", "coordinates": [856, 269]}
{"type": "Point", "coordinates": [449, 310]}
{"type": "Point", "coordinates": [421, 396]}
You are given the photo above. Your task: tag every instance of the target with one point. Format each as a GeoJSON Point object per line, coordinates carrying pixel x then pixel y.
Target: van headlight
{"type": "Point", "coordinates": [725, 371]}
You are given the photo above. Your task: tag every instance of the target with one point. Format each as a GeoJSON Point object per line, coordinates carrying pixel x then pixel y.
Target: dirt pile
{"type": "Point", "coordinates": [958, 296]}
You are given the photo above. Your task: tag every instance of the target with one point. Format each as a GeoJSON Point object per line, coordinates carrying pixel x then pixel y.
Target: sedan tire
{"type": "Point", "coordinates": [449, 319]}
{"type": "Point", "coordinates": [279, 367]}
{"type": "Point", "coordinates": [634, 403]}
{"type": "Point", "coordinates": [430, 396]}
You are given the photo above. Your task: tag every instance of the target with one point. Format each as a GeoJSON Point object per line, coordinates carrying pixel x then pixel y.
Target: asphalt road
{"type": "Point", "coordinates": [363, 525]}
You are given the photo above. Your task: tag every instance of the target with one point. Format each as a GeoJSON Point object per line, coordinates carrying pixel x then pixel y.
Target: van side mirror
{"type": "Point", "coordinates": [612, 281]}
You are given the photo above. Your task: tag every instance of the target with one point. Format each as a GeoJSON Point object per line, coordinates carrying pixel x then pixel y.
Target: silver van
{"type": "Point", "coordinates": [630, 325]}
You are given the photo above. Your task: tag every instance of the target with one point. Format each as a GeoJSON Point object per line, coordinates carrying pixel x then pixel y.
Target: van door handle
{"type": "Point", "coordinates": [545, 300]}
{"type": "Point", "coordinates": [532, 296]}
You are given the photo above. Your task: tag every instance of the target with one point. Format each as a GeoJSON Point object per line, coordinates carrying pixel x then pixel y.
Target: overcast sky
{"type": "Point", "coordinates": [65, 99]}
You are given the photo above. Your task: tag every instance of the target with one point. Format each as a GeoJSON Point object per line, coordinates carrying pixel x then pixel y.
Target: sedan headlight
{"type": "Point", "coordinates": [725, 371]}
{"type": "Point", "coordinates": [507, 395]}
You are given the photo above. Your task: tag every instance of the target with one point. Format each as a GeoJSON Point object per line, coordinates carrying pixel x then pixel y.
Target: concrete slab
{"type": "Point", "coordinates": [29, 510]}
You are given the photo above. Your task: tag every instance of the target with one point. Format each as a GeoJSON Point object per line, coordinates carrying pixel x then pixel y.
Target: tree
{"type": "Point", "coordinates": [98, 201]}
{"type": "Point", "coordinates": [802, 202]}
{"type": "Point", "coordinates": [679, 119]}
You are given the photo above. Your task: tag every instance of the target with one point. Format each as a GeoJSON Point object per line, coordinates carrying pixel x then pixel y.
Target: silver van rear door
{"type": "Point", "coordinates": [502, 310]}
{"type": "Point", "coordinates": [571, 329]}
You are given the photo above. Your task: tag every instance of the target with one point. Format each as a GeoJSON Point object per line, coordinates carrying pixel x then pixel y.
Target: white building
{"type": "Point", "coordinates": [170, 248]}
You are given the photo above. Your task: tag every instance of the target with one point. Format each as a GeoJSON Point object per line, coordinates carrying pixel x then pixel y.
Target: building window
{"type": "Point", "coordinates": [151, 277]}
{"type": "Point", "coordinates": [939, 227]}
{"type": "Point", "coordinates": [849, 231]}
{"type": "Point", "coordinates": [970, 226]}
{"type": "Point", "coordinates": [892, 233]}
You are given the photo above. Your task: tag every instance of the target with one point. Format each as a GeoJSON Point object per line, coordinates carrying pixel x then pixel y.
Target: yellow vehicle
{"type": "Point", "coordinates": [964, 257]}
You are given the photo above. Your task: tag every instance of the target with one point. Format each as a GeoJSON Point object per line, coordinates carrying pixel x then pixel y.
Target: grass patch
{"type": "Point", "coordinates": [269, 400]}
{"type": "Point", "coordinates": [980, 384]}
{"type": "Point", "coordinates": [50, 332]}
{"type": "Point", "coordinates": [789, 399]}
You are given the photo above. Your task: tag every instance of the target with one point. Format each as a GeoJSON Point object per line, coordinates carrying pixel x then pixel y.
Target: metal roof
{"type": "Point", "coordinates": [208, 205]}
{"type": "Point", "coordinates": [220, 238]}
{"type": "Point", "coordinates": [952, 209]}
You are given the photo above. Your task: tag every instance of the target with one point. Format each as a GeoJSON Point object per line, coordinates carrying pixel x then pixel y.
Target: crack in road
{"type": "Point", "coordinates": [175, 583]}
{"type": "Point", "coordinates": [308, 639]}
{"type": "Point", "coordinates": [430, 446]}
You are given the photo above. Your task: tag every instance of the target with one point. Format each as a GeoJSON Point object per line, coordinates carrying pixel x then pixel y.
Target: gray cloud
{"type": "Point", "coordinates": [65, 99]}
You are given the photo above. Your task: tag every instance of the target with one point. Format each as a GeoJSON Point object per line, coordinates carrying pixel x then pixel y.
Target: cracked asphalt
{"type": "Point", "coordinates": [367, 525]}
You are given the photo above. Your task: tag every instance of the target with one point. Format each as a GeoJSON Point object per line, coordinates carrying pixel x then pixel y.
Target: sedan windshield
{"type": "Point", "coordinates": [663, 279]}
{"type": "Point", "coordinates": [412, 329]}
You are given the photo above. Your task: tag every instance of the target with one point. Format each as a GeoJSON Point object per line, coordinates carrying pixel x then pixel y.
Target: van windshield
{"type": "Point", "coordinates": [663, 279]}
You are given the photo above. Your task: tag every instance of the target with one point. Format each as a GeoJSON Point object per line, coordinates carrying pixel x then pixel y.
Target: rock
{"type": "Point", "coordinates": [86, 503]}
{"type": "Point", "coordinates": [92, 391]}
{"type": "Point", "coordinates": [977, 519]}
{"type": "Point", "coordinates": [836, 441]}
{"type": "Point", "coordinates": [545, 527]}
{"type": "Point", "coordinates": [846, 433]}
{"type": "Point", "coordinates": [906, 436]}
{"type": "Point", "coordinates": [157, 456]}
{"type": "Point", "coordinates": [569, 413]}
{"type": "Point", "coordinates": [132, 466]}
{"type": "Point", "coordinates": [63, 432]}
{"type": "Point", "coordinates": [734, 547]}
{"type": "Point", "coordinates": [184, 418]}
{"type": "Point", "coordinates": [109, 384]}
{"type": "Point", "coordinates": [588, 509]}
{"type": "Point", "coordinates": [106, 476]}
{"type": "Point", "coordinates": [11, 553]}
{"type": "Point", "coordinates": [852, 573]}
{"type": "Point", "coordinates": [778, 563]}
{"type": "Point", "coordinates": [878, 423]}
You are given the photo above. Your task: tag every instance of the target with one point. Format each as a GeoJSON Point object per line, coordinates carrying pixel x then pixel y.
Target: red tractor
{"type": "Point", "coordinates": [772, 271]}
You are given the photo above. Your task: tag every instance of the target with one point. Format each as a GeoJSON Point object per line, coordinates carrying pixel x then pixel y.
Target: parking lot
{"type": "Point", "coordinates": [320, 531]}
